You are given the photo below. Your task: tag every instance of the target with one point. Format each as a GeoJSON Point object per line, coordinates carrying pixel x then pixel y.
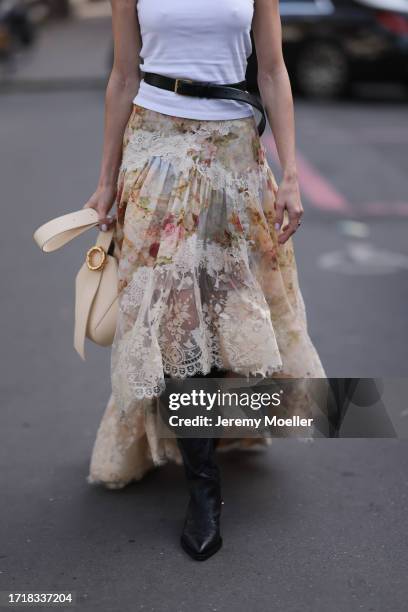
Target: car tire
{"type": "Point", "coordinates": [321, 70]}
{"type": "Point", "coordinates": [27, 34]}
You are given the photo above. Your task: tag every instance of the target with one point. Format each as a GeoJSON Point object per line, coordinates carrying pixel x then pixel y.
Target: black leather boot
{"type": "Point", "coordinates": [201, 532]}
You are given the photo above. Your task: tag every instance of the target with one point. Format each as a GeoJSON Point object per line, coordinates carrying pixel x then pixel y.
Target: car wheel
{"type": "Point", "coordinates": [27, 33]}
{"type": "Point", "coordinates": [322, 70]}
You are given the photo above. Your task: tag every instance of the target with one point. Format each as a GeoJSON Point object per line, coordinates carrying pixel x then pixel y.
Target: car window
{"type": "Point", "coordinates": [306, 7]}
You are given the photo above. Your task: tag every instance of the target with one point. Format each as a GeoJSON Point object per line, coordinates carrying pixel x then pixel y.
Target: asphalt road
{"type": "Point", "coordinates": [312, 527]}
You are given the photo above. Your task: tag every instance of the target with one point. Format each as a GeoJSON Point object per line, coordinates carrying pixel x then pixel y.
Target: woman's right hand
{"type": "Point", "coordinates": [102, 201]}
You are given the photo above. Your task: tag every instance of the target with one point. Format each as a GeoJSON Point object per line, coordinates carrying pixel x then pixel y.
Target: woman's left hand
{"type": "Point", "coordinates": [288, 197]}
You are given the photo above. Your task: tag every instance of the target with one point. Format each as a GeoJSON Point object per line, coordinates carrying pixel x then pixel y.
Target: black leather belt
{"type": "Point", "coordinates": [203, 89]}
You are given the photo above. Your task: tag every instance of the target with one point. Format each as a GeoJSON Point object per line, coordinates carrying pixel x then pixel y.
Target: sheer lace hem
{"type": "Point", "coordinates": [204, 309]}
{"type": "Point", "coordinates": [125, 451]}
{"type": "Point", "coordinates": [143, 391]}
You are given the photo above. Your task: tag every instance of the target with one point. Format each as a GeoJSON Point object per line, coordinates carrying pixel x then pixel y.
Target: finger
{"type": "Point", "coordinates": [295, 217]}
{"type": "Point", "coordinates": [279, 215]}
{"type": "Point", "coordinates": [285, 236]}
{"type": "Point", "coordinates": [289, 230]}
{"type": "Point", "coordinates": [105, 223]}
{"type": "Point", "coordinates": [109, 219]}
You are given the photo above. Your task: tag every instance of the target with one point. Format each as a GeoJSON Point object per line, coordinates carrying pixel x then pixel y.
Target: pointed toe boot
{"type": "Point", "coordinates": [201, 536]}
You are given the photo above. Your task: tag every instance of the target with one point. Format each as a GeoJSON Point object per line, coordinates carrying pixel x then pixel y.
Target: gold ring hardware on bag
{"type": "Point", "coordinates": [100, 265]}
{"type": "Point", "coordinates": [178, 81]}
{"type": "Point", "coordinates": [96, 295]}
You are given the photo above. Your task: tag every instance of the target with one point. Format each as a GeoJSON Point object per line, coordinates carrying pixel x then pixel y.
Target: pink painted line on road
{"type": "Point", "coordinates": [319, 191]}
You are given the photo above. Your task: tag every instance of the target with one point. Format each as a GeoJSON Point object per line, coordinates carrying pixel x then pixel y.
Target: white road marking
{"type": "Point", "coordinates": [363, 259]}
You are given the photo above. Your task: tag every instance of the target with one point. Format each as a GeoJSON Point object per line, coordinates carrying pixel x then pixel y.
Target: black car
{"type": "Point", "coordinates": [14, 16]}
{"type": "Point", "coordinates": [328, 44]}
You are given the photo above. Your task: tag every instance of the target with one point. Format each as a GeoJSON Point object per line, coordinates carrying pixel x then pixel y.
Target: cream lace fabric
{"type": "Point", "coordinates": [203, 282]}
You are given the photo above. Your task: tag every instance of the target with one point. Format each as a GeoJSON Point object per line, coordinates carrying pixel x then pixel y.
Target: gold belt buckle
{"type": "Point", "coordinates": [176, 85]}
{"type": "Point", "coordinates": [100, 265]}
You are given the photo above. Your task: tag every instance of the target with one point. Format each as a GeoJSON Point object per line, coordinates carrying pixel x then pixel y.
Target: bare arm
{"type": "Point", "coordinates": [274, 86]}
{"type": "Point", "coordinates": [122, 88]}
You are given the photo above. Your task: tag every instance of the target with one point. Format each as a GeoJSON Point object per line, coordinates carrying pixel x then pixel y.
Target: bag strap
{"type": "Point", "coordinates": [204, 89]}
{"type": "Point", "coordinates": [86, 287]}
{"type": "Point", "coordinates": [56, 233]}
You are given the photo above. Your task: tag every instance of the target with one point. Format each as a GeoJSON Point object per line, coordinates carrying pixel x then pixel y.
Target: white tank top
{"type": "Point", "coordinates": [204, 40]}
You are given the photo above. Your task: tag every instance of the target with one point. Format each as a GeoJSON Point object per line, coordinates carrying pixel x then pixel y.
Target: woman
{"type": "Point", "coordinates": [207, 274]}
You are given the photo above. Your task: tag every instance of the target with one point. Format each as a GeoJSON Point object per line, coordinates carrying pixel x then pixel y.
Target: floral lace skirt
{"type": "Point", "coordinates": [203, 282]}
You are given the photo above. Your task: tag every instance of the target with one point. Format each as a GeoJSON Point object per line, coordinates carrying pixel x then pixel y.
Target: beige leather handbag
{"type": "Point", "coordinates": [96, 284]}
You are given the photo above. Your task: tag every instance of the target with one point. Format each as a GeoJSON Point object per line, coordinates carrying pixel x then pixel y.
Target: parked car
{"type": "Point", "coordinates": [44, 9]}
{"type": "Point", "coordinates": [329, 44]}
{"type": "Point", "coordinates": [15, 19]}
{"type": "Point", "coordinates": [5, 41]}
